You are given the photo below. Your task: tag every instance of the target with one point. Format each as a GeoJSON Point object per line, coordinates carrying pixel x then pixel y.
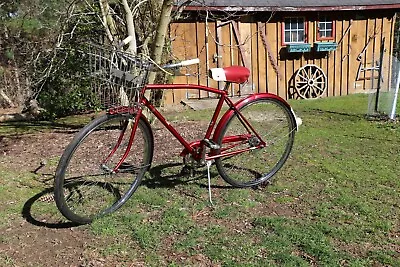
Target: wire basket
{"type": "Point", "coordinates": [117, 77]}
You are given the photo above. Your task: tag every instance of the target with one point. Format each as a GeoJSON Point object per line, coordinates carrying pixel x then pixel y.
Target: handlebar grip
{"type": "Point", "coordinates": [182, 63]}
{"type": "Point", "coordinates": [127, 40]}
{"type": "Point", "coordinates": [189, 62]}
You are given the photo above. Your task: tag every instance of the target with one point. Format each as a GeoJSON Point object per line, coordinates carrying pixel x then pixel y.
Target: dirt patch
{"type": "Point", "coordinates": [27, 152]}
{"type": "Point", "coordinates": [33, 239]}
{"type": "Point", "coordinates": [31, 245]}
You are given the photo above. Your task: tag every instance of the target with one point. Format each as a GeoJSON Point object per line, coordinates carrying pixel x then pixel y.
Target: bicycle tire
{"type": "Point", "coordinates": [275, 123]}
{"type": "Point", "coordinates": [85, 187]}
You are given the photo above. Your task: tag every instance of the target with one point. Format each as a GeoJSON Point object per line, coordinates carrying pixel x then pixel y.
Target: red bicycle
{"type": "Point", "coordinates": [105, 162]}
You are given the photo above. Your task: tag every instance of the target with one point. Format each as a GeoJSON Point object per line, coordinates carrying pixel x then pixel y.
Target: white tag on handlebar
{"type": "Point", "coordinates": [190, 62]}
{"type": "Point", "coordinates": [127, 40]}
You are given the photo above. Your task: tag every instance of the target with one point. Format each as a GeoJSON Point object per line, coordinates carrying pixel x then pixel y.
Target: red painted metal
{"type": "Point", "coordinates": [236, 152]}
{"type": "Point", "coordinates": [215, 116]}
{"type": "Point", "coordinates": [227, 139]}
{"type": "Point", "coordinates": [236, 138]}
{"type": "Point", "coordinates": [238, 105]}
{"type": "Point", "coordinates": [121, 135]}
{"type": "Point", "coordinates": [118, 110]}
{"type": "Point", "coordinates": [167, 125]}
{"type": "Point", "coordinates": [194, 145]}
{"type": "Point", "coordinates": [197, 148]}
{"type": "Point", "coordinates": [236, 74]}
{"type": "Point", "coordinates": [184, 86]}
{"type": "Point", "coordinates": [194, 148]}
{"type": "Point", "coordinates": [128, 149]}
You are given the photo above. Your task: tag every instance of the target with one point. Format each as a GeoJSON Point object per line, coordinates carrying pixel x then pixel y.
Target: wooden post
{"type": "Point", "coordinates": [379, 75]}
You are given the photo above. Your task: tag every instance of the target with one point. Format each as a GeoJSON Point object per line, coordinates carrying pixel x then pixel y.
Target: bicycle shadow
{"type": "Point", "coordinates": [173, 174]}
{"type": "Point", "coordinates": [51, 219]}
{"type": "Point", "coordinates": [40, 209]}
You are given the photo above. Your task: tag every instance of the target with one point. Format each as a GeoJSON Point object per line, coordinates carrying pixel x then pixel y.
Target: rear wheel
{"type": "Point", "coordinates": [275, 124]}
{"type": "Point", "coordinates": [86, 185]}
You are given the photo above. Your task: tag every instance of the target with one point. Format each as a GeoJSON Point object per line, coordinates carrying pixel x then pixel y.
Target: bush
{"type": "Point", "coordinates": [67, 90]}
{"type": "Point", "coordinates": [63, 103]}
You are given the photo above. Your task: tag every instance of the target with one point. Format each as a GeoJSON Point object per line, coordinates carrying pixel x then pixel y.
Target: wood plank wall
{"type": "Point", "coordinates": [218, 44]}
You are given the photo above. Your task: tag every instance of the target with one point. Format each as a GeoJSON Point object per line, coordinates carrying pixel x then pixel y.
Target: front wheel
{"type": "Point", "coordinates": [273, 121]}
{"type": "Point", "coordinates": [87, 183]}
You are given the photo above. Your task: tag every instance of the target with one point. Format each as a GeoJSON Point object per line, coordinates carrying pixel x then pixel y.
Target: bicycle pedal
{"type": "Point", "coordinates": [211, 144]}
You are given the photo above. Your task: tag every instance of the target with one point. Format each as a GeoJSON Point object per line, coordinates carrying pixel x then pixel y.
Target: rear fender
{"type": "Point", "coordinates": [244, 102]}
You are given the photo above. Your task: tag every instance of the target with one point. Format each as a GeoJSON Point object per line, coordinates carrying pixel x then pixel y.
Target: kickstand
{"type": "Point", "coordinates": [209, 162]}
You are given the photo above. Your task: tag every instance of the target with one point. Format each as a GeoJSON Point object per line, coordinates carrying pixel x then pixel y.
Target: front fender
{"type": "Point", "coordinates": [244, 101]}
{"type": "Point", "coordinates": [150, 130]}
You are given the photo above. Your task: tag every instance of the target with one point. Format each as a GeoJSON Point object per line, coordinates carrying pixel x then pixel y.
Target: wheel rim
{"type": "Point", "coordinates": [310, 81]}
{"type": "Point", "coordinates": [275, 125]}
{"type": "Point", "coordinates": [89, 187]}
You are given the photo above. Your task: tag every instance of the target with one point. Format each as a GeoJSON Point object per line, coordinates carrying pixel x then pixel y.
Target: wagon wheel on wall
{"type": "Point", "coordinates": [310, 81]}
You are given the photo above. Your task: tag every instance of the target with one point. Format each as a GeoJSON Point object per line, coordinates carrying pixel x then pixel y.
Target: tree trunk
{"type": "Point", "coordinates": [108, 21]}
{"type": "Point", "coordinates": [162, 30]}
{"type": "Point", "coordinates": [6, 98]}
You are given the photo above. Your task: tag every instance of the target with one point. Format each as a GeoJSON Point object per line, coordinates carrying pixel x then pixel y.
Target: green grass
{"type": "Point", "coordinates": [26, 127]}
{"type": "Point", "coordinates": [335, 203]}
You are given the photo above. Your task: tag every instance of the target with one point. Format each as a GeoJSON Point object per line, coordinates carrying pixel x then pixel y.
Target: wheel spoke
{"type": "Point", "coordinates": [304, 78]}
{"type": "Point", "coordinates": [313, 89]}
{"type": "Point", "coordinates": [316, 72]}
{"type": "Point", "coordinates": [304, 86]}
{"type": "Point", "coordinates": [94, 188]}
{"type": "Point", "coordinates": [310, 81]}
{"type": "Point", "coordinates": [275, 127]}
{"type": "Point", "coordinates": [319, 88]}
{"type": "Point", "coordinates": [306, 74]}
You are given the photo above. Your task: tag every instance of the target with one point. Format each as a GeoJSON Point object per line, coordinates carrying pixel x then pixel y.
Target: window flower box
{"type": "Point", "coordinates": [325, 46]}
{"type": "Point", "coordinates": [298, 48]}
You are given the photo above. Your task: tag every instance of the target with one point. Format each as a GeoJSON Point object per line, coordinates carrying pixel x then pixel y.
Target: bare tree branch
{"type": "Point", "coordinates": [6, 98]}
{"type": "Point", "coordinates": [130, 27]}
{"type": "Point", "coordinates": [106, 19]}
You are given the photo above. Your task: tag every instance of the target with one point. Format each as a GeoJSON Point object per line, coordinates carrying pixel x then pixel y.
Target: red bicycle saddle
{"type": "Point", "coordinates": [233, 74]}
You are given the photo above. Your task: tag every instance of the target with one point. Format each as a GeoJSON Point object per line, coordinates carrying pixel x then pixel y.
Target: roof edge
{"type": "Point", "coordinates": [289, 8]}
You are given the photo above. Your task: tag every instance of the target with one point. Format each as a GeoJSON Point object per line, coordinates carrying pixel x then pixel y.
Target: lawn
{"type": "Point", "coordinates": [334, 203]}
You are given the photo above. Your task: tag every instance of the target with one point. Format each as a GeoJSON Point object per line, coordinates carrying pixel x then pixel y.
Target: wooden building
{"type": "Point", "coordinates": [294, 49]}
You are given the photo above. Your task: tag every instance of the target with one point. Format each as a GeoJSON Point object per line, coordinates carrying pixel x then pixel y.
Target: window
{"type": "Point", "coordinates": [326, 29]}
{"type": "Point", "coordinates": [294, 30]}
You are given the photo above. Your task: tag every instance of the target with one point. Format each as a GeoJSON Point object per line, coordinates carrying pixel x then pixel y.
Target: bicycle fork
{"type": "Point", "coordinates": [128, 125]}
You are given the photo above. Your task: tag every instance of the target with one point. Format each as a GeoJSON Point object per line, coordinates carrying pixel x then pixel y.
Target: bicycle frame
{"type": "Point", "coordinates": [189, 148]}
{"type": "Point", "coordinates": [197, 148]}
{"type": "Point", "coordinates": [248, 143]}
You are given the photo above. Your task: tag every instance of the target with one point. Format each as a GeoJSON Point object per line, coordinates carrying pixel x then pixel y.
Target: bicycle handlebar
{"type": "Point", "coordinates": [182, 63]}
{"type": "Point", "coordinates": [127, 40]}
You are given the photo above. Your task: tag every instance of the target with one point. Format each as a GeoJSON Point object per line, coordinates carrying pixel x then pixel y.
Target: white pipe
{"type": "Point", "coordinates": [396, 93]}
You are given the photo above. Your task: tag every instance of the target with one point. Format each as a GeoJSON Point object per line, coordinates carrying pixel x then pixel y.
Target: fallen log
{"type": "Point", "coordinates": [30, 112]}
